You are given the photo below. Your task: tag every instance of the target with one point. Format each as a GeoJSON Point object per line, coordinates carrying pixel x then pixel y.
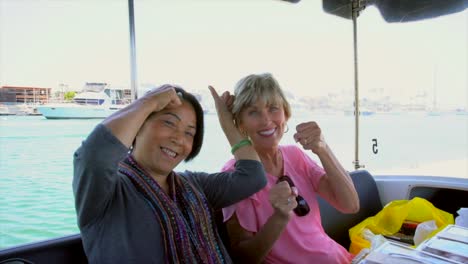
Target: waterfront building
{"type": "Point", "coordinates": [24, 94]}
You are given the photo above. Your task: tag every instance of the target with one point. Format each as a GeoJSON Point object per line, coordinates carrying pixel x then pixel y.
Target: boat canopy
{"type": "Point", "coordinates": [397, 10]}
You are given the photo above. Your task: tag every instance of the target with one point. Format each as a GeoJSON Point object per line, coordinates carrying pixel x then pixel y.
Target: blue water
{"type": "Point", "coordinates": [36, 160]}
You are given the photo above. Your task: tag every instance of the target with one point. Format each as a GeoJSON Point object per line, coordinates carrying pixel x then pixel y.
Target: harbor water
{"type": "Point", "coordinates": [36, 160]}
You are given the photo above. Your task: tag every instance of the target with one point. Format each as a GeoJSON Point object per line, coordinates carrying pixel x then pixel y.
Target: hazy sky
{"type": "Point", "coordinates": [199, 42]}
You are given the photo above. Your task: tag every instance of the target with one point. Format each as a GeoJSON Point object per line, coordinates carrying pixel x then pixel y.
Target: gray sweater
{"type": "Point", "coordinates": [116, 223]}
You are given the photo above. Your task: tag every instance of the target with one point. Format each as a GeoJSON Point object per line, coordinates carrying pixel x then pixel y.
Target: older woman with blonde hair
{"type": "Point", "coordinates": [281, 223]}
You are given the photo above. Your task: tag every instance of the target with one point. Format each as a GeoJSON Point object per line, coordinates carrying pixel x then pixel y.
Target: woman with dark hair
{"type": "Point", "coordinates": [132, 207]}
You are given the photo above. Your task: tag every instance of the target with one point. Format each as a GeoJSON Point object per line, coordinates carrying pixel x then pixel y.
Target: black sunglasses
{"type": "Point", "coordinates": [302, 208]}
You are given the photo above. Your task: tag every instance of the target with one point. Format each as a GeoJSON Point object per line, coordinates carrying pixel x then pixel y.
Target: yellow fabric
{"type": "Point", "coordinates": [389, 220]}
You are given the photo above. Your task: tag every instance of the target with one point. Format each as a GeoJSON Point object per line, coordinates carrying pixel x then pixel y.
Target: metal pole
{"type": "Point", "coordinates": [133, 65]}
{"type": "Point", "coordinates": [355, 13]}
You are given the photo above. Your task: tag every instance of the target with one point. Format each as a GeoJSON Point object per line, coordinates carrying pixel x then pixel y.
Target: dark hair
{"type": "Point", "coordinates": [198, 138]}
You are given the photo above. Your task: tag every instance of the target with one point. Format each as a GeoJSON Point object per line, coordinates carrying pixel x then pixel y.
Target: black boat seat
{"type": "Point", "coordinates": [337, 224]}
{"type": "Point", "coordinates": [66, 249]}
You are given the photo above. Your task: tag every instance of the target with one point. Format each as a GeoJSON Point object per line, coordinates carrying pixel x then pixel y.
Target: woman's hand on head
{"type": "Point", "coordinates": [310, 136]}
{"type": "Point", "coordinates": [223, 106]}
{"type": "Point", "coordinates": [162, 97]}
{"type": "Point", "coordinates": [283, 199]}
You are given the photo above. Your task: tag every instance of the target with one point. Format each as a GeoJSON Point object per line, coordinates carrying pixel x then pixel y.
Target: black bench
{"type": "Point", "coordinates": [54, 251]}
{"type": "Point", "coordinates": [337, 224]}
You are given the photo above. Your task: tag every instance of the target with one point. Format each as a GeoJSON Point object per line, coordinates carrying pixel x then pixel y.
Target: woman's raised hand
{"type": "Point", "coordinates": [310, 136]}
{"type": "Point", "coordinates": [126, 122]}
{"type": "Point", "coordinates": [223, 106]}
{"type": "Point", "coordinates": [162, 97]}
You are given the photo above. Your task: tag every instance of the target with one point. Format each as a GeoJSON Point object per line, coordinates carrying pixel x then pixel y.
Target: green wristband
{"type": "Point", "coordinates": [244, 142]}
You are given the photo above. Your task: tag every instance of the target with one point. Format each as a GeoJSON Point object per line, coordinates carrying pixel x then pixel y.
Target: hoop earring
{"type": "Point", "coordinates": [287, 129]}
{"type": "Point", "coordinates": [243, 133]}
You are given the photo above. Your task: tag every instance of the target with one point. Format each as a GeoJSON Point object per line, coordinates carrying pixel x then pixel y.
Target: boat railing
{"type": "Point", "coordinates": [89, 101]}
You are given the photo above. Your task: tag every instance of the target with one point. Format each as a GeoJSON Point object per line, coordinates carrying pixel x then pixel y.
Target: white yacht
{"type": "Point", "coordinates": [98, 100]}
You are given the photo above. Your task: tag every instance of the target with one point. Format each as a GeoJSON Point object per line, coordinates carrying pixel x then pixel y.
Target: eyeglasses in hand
{"type": "Point", "coordinates": [302, 208]}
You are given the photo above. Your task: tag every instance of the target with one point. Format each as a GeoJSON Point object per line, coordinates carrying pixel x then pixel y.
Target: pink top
{"type": "Point", "coordinates": [303, 240]}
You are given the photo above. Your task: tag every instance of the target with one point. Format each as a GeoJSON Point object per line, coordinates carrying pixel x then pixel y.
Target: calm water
{"type": "Point", "coordinates": [36, 160]}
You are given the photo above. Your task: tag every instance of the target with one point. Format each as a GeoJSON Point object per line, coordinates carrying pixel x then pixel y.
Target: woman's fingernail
{"type": "Point", "coordinates": [295, 191]}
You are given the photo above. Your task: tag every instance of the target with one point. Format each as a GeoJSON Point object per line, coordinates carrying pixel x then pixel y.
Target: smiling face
{"type": "Point", "coordinates": [165, 139]}
{"type": "Point", "coordinates": [264, 123]}
{"type": "Point", "coordinates": [261, 110]}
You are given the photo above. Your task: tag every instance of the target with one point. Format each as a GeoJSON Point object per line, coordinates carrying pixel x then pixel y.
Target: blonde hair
{"type": "Point", "coordinates": [254, 87]}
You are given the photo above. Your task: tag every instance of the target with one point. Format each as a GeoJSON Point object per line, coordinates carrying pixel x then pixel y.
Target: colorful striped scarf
{"type": "Point", "coordinates": [189, 231]}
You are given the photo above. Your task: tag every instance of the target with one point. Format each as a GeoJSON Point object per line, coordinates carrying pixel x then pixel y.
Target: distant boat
{"type": "Point", "coordinates": [97, 101]}
{"type": "Point", "coordinates": [4, 111]}
{"type": "Point", "coordinates": [367, 113]}
{"type": "Point", "coordinates": [26, 110]}
{"type": "Point", "coordinates": [361, 113]}
{"type": "Point", "coordinates": [434, 111]}
{"type": "Point", "coordinates": [18, 109]}
{"type": "Point", "coordinates": [460, 111]}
